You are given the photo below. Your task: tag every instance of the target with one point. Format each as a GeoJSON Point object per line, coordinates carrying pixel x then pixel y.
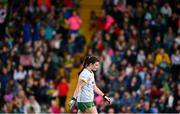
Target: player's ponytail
{"type": "Point", "coordinates": [84, 64]}
{"type": "Point", "coordinates": [87, 61]}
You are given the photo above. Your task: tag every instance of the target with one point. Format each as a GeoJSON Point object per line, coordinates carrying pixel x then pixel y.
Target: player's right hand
{"type": "Point", "coordinates": [72, 103]}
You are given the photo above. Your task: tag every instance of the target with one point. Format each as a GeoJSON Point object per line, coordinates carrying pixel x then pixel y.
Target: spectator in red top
{"type": "Point", "coordinates": [68, 3]}
{"type": "Point", "coordinates": [63, 89]}
{"type": "Point", "coordinates": [155, 92]}
{"type": "Point", "coordinates": [44, 5]}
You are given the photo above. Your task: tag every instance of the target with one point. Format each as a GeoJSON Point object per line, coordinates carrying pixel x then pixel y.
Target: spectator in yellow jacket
{"type": "Point", "coordinates": [162, 57]}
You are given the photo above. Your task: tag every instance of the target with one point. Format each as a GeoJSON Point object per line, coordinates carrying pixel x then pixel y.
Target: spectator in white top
{"type": "Point", "coordinates": [20, 73]}
{"type": "Point", "coordinates": [38, 59]}
{"type": "Point", "coordinates": [32, 106]}
{"type": "Point", "coordinates": [166, 10]}
{"type": "Point", "coordinates": [107, 62]}
{"type": "Point", "coordinates": [177, 39]}
{"type": "Point", "coordinates": [175, 58]}
{"type": "Point", "coordinates": [141, 57]}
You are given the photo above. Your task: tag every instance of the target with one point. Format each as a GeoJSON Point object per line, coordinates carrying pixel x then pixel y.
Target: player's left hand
{"type": "Point", "coordinates": [107, 99]}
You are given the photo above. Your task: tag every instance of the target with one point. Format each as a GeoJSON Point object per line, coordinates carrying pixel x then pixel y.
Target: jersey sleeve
{"type": "Point", "coordinates": [84, 76]}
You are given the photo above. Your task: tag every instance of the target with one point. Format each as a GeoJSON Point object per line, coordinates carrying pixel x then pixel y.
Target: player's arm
{"type": "Point", "coordinates": [99, 92]}
{"type": "Point", "coordinates": [80, 84]}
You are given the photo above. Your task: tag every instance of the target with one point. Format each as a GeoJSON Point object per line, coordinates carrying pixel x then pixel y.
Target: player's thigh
{"type": "Point", "coordinates": [91, 110]}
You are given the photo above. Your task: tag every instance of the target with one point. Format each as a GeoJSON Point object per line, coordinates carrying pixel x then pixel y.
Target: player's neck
{"type": "Point", "coordinates": [89, 69]}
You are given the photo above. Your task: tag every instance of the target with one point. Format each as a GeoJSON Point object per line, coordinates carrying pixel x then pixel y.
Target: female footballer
{"type": "Point", "coordinates": [84, 92]}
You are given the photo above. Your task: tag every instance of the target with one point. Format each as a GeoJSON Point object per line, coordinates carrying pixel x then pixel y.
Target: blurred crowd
{"type": "Point", "coordinates": [138, 42]}
{"type": "Point", "coordinates": [37, 39]}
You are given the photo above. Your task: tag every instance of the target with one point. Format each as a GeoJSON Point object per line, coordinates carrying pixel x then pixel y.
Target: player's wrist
{"type": "Point", "coordinates": [74, 98]}
{"type": "Point", "coordinates": [105, 97]}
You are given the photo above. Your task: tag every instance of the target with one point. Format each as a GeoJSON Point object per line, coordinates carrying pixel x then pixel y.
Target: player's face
{"type": "Point", "coordinates": [95, 66]}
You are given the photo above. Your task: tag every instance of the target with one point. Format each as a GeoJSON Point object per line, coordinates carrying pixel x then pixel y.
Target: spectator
{"type": "Point", "coordinates": [70, 48]}
{"type": "Point", "coordinates": [68, 3]}
{"type": "Point", "coordinates": [141, 57]}
{"type": "Point", "coordinates": [134, 84]}
{"type": "Point", "coordinates": [20, 73]}
{"type": "Point", "coordinates": [106, 62]}
{"type": "Point", "coordinates": [166, 10]}
{"type": "Point", "coordinates": [63, 89]}
{"type": "Point", "coordinates": [4, 13]}
{"type": "Point", "coordinates": [29, 86]}
{"type": "Point", "coordinates": [74, 23]}
{"type": "Point", "coordinates": [111, 77]}
{"type": "Point", "coordinates": [168, 39]}
{"type": "Point", "coordinates": [32, 106]}
{"type": "Point", "coordinates": [162, 58]}
{"type": "Point", "coordinates": [44, 6]}
{"type": "Point", "coordinates": [127, 100]}
{"type": "Point", "coordinates": [38, 59]}
{"type": "Point", "coordinates": [49, 32]}
{"type": "Point", "coordinates": [5, 77]}
{"type": "Point", "coordinates": [116, 101]}
{"type": "Point", "coordinates": [175, 58]}
{"type": "Point", "coordinates": [27, 29]}
{"type": "Point", "coordinates": [68, 65]}
{"type": "Point", "coordinates": [112, 72]}
{"type": "Point", "coordinates": [170, 102]}
{"type": "Point", "coordinates": [146, 108]}
{"type": "Point", "coordinates": [109, 22]}
{"type": "Point", "coordinates": [111, 111]}
{"type": "Point", "coordinates": [42, 96]}
{"type": "Point", "coordinates": [54, 107]}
